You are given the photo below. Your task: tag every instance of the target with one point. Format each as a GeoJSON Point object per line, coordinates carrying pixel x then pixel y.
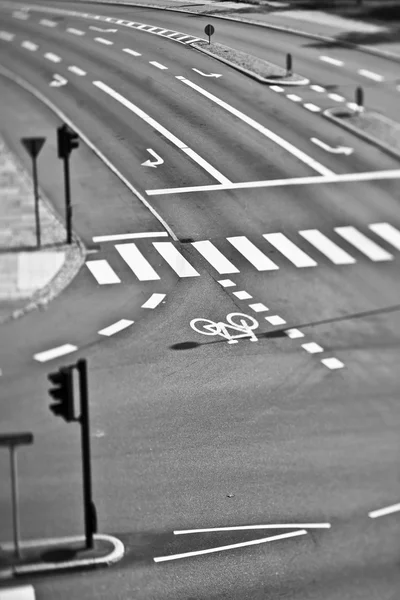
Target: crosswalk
{"type": "Point", "coordinates": [344, 245]}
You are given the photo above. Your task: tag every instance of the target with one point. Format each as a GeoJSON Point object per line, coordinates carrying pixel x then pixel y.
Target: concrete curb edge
{"type": "Point", "coordinates": [329, 114]}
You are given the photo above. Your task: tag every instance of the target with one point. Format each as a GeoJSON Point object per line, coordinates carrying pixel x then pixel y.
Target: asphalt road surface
{"type": "Point", "coordinates": [259, 206]}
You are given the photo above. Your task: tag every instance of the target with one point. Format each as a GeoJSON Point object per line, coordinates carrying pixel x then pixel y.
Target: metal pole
{"type": "Point", "coordinates": [36, 194]}
{"type": "Point", "coordinates": [89, 509]}
{"type": "Point", "coordinates": [14, 492]}
{"type": "Point", "coordinates": [68, 207]}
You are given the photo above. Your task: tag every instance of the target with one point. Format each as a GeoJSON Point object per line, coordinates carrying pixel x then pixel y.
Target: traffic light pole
{"type": "Point", "coordinates": [68, 207]}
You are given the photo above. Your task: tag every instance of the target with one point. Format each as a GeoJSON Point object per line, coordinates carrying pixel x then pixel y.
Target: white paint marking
{"type": "Point", "coordinates": [216, 259]}
{"type": "Point", "coordinates": [162, 31]}
{"type": "Point", "coordinates": [275, 320]}
{"type": "Point", "coordinates": [242, 295]}
{"type": "Point", "coordinates": [332, 363]}
{"type": "Point", "coordinates": [137, 262]}
{"type": "Point", "coordinates": [52, 57]}
{"type": "Point", "coordinates": [352, 106]}
{"type": "Point", "coordinates": [263, 130]}
{"type": "Point", "coordinates": [216, 75]}
{"type": "Point", "coordinates": [252, 253]}
{"type": "Point", "coordinates": [192, 40]}
{"type": "Point", "coordinates": [317, 88]}
{"type": "Point", "coordinates": [294, 333]}
{"type": "Point", "coordinates": [332, 61]}
{"type": "Point", "coordinates": [337, 97]}
{"type": "Point", "coordinates": [6, 36]}
{"type": "Point", "coordinates": [128, 236]}
{"type": "Point", "coordinates": [102, 272]}
{"type": "Point", "coordinates": [20, 15]}
{"type": "Point", "coordinates": [48, 23]}
{"type": "Point", "coordinates": [333, 150]}
{"type": "Point", "coordinates": [58, 81]}
{"type": "Point", "coordinates": [182, 37]}
{"type": "Point", "coordinates": [75, 31]}
{"type": "Point", "coordinates": [294, 97]}
{"type": "Point", "coordinates": [251, 527]}
{"type": "Point", "coordinates": [370, 75]}
{"type": "Point", "coordinates": [170, 35]}
{"type": "Point", "coordinates": [29, 45]}
{"type": "Point", "coordinates": [151, 29]}
{"type": "Point", "coordinates": [77, 70]}
{"type": "Point", "coordinates": [24, 592]}
{"type": "Point", "coordinates": [231, 546]}
{"type": "Point", "coordinates": [258, 307]}
{"type": "Point", "coordinates": [226, 283]}
{"type": "Point", "coordinates": [154, 164]}
{"type": "Point", "coordinates": [312, 107]}
{"type": "Point", "coordinates": [381, 512]}
{"type": "Point", "coordinates": [154, 301]}
{"type": "Point", "coordinates": [290, 250]}
{"type": "Point", "coordinates": [116, 327]}
{"type": "Point", "coordinates": [55, 352]}
{"type": "Point", "coordinates": [133, 52]}
{"type": "Point", "coordinates": [157, 64]}
{"type": "Point", "coordinates": [93, 28]}
{"type": "Point", "coordinates": [312, 347]}
{"type": "Point", "coordinates": [387, 232]}
{"type": "Point", "coordinates": [174, 258]}
{"type": "Point", "coordinates": [142, 26]}
{"type": "Point", "coordinates": [363, 243]}
{"type": "Point", "coordinates": [276, 88]}
{"type": "Point", "coordinates": [158, 127]}
{"type": "Point", "coordinates": [103, 41]}
{"type": "Point", "coordinates": [336, 254]}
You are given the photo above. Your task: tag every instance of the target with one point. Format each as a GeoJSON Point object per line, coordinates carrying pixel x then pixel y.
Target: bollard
{"type": "Point", "coordinates": [289, 63]}
{"type": "Point", "coordinates": [360, 99]}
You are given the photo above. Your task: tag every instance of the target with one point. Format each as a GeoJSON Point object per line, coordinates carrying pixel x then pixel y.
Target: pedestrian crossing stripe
{"type": "Point", "coordinates": [279, 242]}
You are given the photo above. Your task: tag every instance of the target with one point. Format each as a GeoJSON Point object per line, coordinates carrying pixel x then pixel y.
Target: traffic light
{"type": "Point", "coordinates": [63, 393]}
{"type": "Point", "coordinates": [67, 140]}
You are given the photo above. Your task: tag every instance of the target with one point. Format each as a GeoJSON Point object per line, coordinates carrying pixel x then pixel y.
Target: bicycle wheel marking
{"type": "Point", "coordinates": [241, 324]}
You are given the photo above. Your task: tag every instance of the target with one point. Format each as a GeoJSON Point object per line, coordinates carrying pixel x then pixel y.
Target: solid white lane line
{"type": "Point", "coordinates": [55, 352]}
{"type": "Point", "coordinates": [313, 180]}
{"type": "Point", "coordinates": [6, 36]}
{"type": "Point", "coordinates": [242, 295]}
{"type": "Point", "coordinates": [294, 333]}
{"type": "Point", "coordinates": [29, 45]}
{"type": "Point", "coordinates": [337, 97]}
{"type": "Point", "coordinates": [75, 31]}
{"type": "Point", "coordinates": [276, 88]}
{"type": "Point", "coordinates": [157, 64]}
{"type": "Point", "coordinates": [102, 272]}
{"type": "Point", "coordinates": [137, 262]}
{"type": "Point", "coordinates": [174, 258]}
{"type": "Point", "coordinates": [116, 327]}
{"type": "Point", "coordinates": [231, 546]}
{"type": "Point", "coordinates": [226, 282]}
{"type": "Point", "coordinates": [316, 166]}
{"type": "Point", "coordinates": [381, 512]}
{"type": "Point", "coordinates": [158, 127]}
{"type": "Point", "coordinates": [370, 75]}
{"type": "Point", "coordinates": [332, 363]}
{"type": "Point", "coordinates": [387, 232]}
{"type": "Point", "coordinates": [317, 88]}
{"type": "Point", "coordinates": [22, 592]}
{"type": "Point", "coordinates": [251, 527]}
{"type": "Point", "coordinates": [312, 347]}
{"type": "Point", "coordinates": [103, 41]}
{"type": "Point", "coordinates": [216, 259]}
{"type": "Point", "coordinates": [128, 236]}
{"type": "Point", "coordinates": [363, 243]}
{"type": "Point", "coordinates": [336, 254]}
{"type": "Point", "coordinates": [258, 307]}
{"type": "Point", "coordinates": [48, 23]}
{"type": "Point", "coordinates": [312, 107]}
{"type": "Point", "coordinates": [76, 70]}
{"type": "Point", "coordinates": [53, 57]}
{"type": "Point", "coordinates": [154, 300]}
{"type": "Point", "coordinates": [332, 61]}
{"type": "Point", "coordinates": [252, 253]}
{"type": "Point", "coordinates": [289, 249]}
{"type": "Point", "coordinates": [275, 320]}
{"type": "Point", "coordinates": [133, 52]}
{"type": "Point", "coordinates": [294, 97]}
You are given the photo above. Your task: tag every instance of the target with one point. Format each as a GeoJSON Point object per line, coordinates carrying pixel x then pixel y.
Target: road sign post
{"type": "Point", "coordinates": [209, 30]}
{"type": "Point", "coordinates": [289, 64]}
{"type": "Point", "coordinates": [360, 99]}
{"type": "Point", "coordinates": [33, 146]}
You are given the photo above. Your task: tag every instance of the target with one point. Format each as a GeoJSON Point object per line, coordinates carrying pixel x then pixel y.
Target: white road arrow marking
{"type": "Point", "coordinates": [102, 30]}
{"type": "Point", "coordinates": [338, 150]}
{"type": "Point", "coordinates": [207, 74]}
{"type": "Point", "coordinates": [58, 81]}
{"type": "Point", "coordinates": [149, 163]}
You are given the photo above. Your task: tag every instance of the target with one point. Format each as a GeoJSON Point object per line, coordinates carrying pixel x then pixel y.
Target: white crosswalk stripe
{"type": "Point", "coordinates": [174, 258]}
{"type": "Point", "coordinates": [252, 253]}
{"type": "Point", "coordinates": [387, 232]}
{"type": "Point", "coordinates": [290, 250]}
{"type": "Point", "coordinates": [137, 262]}
{"type": "Point", "coordinates": [215, 257]}
{"type": "Point", "coordinates": [336, 254]}
{"type": "Point", "coordinates": [363, 243]}
{"type": "Point", "coordinates": [102, 272]}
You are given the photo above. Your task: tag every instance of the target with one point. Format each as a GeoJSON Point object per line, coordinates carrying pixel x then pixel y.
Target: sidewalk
{"type": "Point", "coordinates": [29, 277]}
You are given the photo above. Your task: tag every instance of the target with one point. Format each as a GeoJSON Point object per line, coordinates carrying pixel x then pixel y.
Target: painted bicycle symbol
{"type": "Point", "coordinates": [239, 323]}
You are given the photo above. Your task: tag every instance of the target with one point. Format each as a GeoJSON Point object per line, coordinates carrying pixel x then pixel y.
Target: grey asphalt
{"type": "Point", "coordinates": [216, 434]}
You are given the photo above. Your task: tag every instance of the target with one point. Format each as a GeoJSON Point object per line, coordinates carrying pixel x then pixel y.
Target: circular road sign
{"type": "Point", "coordinates": [209, 29]}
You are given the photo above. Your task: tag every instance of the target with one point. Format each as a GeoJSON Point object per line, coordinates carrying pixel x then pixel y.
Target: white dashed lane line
{"type": "Point", "coordinates": [54, 352]}
{"type": "Point", "coordinates": [370, 75]}
{"type": "Point", "coordinates": [275, 320]}
{"type": "Point", "coordinates": [242, 295]}
{"type": "Point", "coordinates": [336, 97]}
{"type": "Point", "coordinates": [294, 333]}
{"type": "Point", "coordinates": [153, 301]}
{"type": "Point", "coordinates": [317, 88]}
{"type": "Point", "coordinates": [115, 327]}
{"type": "Point", "coordinates": [48, 23]}
{"type": "Point", "coordinates": [381, 512]}
{"type": "Point", "coordinates": [312, 107]}
{"type": "Point", "coordinates": [276, 88]}
{"type": "Point", "coordinates": [103, 41]}
{"type": "Point", "coordinates": [312, 347]}
{"type": "Point", "coordinates": [293, 97]}
{"type": "Point", "coordinates": [76, 70]}
{"type": "Point", "coordinates": [29, 46]}
{"type": "Point", "coordinates": [157, 64]}
{"type": "Point", "coordinates": [75, 31]}
{"type": "Point", "coordinates": [53, 57]}
{"type": "Point", "coordinates": [332, 61]}
{"type": "Point", "coordinates": [6, 36]}
{"type": "Point", "coordinates": [132, 52]}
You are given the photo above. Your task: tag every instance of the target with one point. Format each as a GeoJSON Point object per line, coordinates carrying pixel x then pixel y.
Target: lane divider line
{"type": "Point", "coordinates": [153, 301]}
{"type": "Point", "coordinates": [116, 327]}
{"type": "Point", "coordinates": [128, 236]}
{"type": "Point", "coordinates": [332, 61]}
{"type": "Point", "coordinates": [381, 512]}
{"type": "Point", "coordinates": [55, 352]}
{"type": "Point", "coordinates": [103, 41]}
{"type": "Point", "coordinates": [75, 31]}
{"type": "Point", "coordinates": [132, 52]}
{"type": "Point", "coordinates": [6, 36]}
{"type": "Point", "coordinates": [157, 64]}
{"type": "Point", "coordinates": [29, 45]}
{"type": "Point", "coordinates": [251, 527]}
{"type": "Point", "coordinates": [370, 75]}
{"type": "Point", "coordinates": [53, 57]}
{"type": "Point", "coordinates": [48, 23]}
{"type": "Point", "coordinates": [76, 70]}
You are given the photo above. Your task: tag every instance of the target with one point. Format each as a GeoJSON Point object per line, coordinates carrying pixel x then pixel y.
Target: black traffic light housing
{"type": "Point", "coordinates": [63, 393]}
{"type": "Point", "coordinates": [67, 140]}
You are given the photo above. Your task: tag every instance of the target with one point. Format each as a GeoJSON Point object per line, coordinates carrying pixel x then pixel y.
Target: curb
{"type": "Point", "coordinates": [303, 81]}
{"type": "Point", "coordinates": [329, 114]}
{"type": "Point", "coordinates": [85, 563]}
{"type": "Point", "coordinates": [313, 36]}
